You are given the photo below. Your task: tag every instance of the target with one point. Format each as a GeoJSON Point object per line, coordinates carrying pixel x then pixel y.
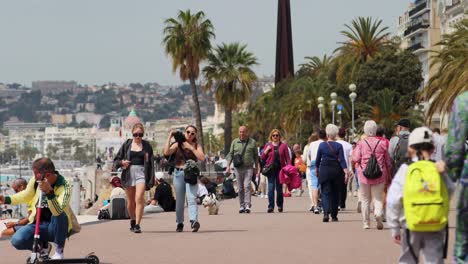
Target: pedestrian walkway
{"type": "Point", "coordinates": [295, 236]}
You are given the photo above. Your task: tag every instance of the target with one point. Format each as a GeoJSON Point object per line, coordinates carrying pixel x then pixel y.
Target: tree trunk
{"type": "Point", "coordinates": [227, 129]}
{"type": "Point", "coordinates": [196, 105]}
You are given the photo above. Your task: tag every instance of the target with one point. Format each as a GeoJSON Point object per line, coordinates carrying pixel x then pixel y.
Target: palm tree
{"type": "Point", "coordinates": [187, 40]}
{"type": "Point", "coordinates": [452, 77]}
{"type": "Point", "coordinates": [314, 65]}
{"type": "Point", "coordinates": [364, 39]}
{"type": "Point", "coordinates": [229, 71]}
{"type": "Point", "coordinates": [385, 112]}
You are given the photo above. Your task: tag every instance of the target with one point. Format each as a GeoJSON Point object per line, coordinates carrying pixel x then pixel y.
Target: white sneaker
{"type": "Point", "coordinates": [355, 194]}
{"type": "Point", "coordinates": [57, 256]}
{"type": "Point", "coordinates": [365, 226]}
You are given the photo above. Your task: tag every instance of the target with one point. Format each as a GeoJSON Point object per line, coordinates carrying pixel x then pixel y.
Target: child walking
{"type": "Point", "coordinates": [418, 203]}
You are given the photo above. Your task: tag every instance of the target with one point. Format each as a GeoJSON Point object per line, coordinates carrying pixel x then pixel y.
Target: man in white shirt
{"type": "Point", "coordinates": [439, 144]}
{"type": "Point", "coordinates": [347, 150]}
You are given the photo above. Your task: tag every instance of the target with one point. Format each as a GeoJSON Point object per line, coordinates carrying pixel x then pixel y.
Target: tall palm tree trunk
{"type": "Point", "coordinates": [227, 129]}
{"type": "Point", "coordinates": [196, 104]}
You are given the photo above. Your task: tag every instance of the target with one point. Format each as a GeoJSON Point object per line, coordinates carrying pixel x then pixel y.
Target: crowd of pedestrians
{"type": "Point", "coordinates": [419, 165]}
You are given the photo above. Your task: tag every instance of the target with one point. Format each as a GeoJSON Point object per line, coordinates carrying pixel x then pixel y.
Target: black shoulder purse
{"type": "Point", "coordinates": [238, 159]}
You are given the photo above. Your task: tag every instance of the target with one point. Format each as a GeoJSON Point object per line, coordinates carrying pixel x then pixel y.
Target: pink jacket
{"type": "Point", "coordinates": [283, 153]}
{"type": "Point", "coordinates": [290, 176]}
{"type": "Point", "coordinates": [361, 155]}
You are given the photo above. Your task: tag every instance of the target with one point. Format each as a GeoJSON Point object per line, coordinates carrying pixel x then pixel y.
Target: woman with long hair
{"type": "Point", "coordinates": [136, 159]}
{"type": "Point", "coordinates": [185, 150]}
{"type": "Point", "coordinates": [275, 156]}
{"type": "Point", "coordinates": [331, 170]}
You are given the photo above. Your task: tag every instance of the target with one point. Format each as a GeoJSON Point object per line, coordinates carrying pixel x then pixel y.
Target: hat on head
{"type": "Point", "coordinates": [420, 135]}
{"type": "Point", "coordinates": [159, 175]}
{"type": "Point", "coordinates": [404, 123]}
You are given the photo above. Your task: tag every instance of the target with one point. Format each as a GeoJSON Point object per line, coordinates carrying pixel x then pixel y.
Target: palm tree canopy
{"type": "Point", "coordinates": [229, 68]}
{"type": "Point", "coordinates": [451, 78]}
{"type": "Point", "coordinates": [315, 65]}
{"type": "Point", "coordinates": [187, 39]}
{"type": "Point", "coordinates": [365, 37]}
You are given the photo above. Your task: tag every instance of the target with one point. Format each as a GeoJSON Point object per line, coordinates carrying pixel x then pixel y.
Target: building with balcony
{"type": "Point", "coordinates": [421, 32]}
{"type": "Point", "coordinates": [452, 12]}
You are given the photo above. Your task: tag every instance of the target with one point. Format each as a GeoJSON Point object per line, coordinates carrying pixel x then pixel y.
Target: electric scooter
{"type": "Point", "coordinates": [36, 257]}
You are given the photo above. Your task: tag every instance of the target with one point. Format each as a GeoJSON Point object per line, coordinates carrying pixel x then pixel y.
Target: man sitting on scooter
{"type": "Point", "coordinates": [55, 221]}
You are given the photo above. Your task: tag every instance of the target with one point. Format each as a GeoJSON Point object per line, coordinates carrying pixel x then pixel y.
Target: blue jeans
{"type": "Point", "coordinates": [273, 183]}
{"type": "Point", "coordinates": [181, 187]}
{"type": "Point", "coordinates": [54, 231]}
{"type": "Point", "coordinates": [356, 180]}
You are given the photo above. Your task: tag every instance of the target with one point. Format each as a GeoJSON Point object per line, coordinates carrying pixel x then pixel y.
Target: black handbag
{"type": "Point", "coordinates": [238, 159]}
{"type": "Point", "coordinates": [191, 170]}
{"type": "Point", "coordinates": [268, 169]}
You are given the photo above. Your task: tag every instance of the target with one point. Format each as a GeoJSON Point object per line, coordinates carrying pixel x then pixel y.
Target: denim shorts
{"type": "Point", "coordinates": [137, 175]}
{"type": "Point", "coordinates": [313, 177]}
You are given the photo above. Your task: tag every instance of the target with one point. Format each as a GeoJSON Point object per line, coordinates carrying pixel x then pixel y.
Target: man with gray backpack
{"type": "Point", "coordinates": [399, 144]}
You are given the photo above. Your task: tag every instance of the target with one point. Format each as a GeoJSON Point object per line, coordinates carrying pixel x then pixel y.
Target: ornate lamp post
{"type": "Point", "coordinates": [333, 103]}
{"type": "Point", "coordinates": [352, 96]}
{"type": "Point", "coordinates": [320, 107]}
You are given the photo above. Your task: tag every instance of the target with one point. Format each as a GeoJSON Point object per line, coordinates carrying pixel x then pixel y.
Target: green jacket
{"type": "Point", "coordinates": [58, 201]}
{"type": "Point", "coordinates": [250, 156]}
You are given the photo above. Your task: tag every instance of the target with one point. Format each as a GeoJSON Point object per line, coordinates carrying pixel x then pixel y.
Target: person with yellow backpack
{"type": "Point", "coordinates": [418, 203]}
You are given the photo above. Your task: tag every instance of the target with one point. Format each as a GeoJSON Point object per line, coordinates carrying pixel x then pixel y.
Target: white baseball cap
{"type": "Point", "coordinates": [159, 175]}
{"type": "Point", "coordinates": [420, 135]}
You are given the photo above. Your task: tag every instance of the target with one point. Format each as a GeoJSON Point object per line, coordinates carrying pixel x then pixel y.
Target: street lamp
{"type": "Point", "coordinates": [320, 107]}
{"type": "Point", "coordinates": [333, 103]}
{"type": "Point", "coordinates": [340, 111]}
{"type": "Point", "coordinates": [300, 126]}
{"type": "Point", "coordinates": [352, 96]}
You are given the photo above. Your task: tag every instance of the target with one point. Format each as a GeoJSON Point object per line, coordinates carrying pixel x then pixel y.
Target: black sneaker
{"type": "Point", "coordinates": [132, 225]}
{"type": "Point", "coordinates": [334, 219]}
{"type": "Point", "coordinates": [270, 210]}
{"type": "Point", "coordinates": [180, 227]}
{"type": "Point", "coordinates": [326, 218]}
{"type": "Point", "coordinates": [312, 209]}
{"type": "Point", "coordinates": [137, 229]}
{"type": "Point", "coordinates": [247, 210]}
{"type": "Point", "coordinates": [280, 210]}
{"type": "Point", "coordinates": [195, 226]}
{"type": "Point", "coordinates": [241, 211]}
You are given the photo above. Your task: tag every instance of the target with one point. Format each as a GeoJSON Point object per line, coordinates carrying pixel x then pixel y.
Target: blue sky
{"type": "Point", "coordinates": [98, 41]}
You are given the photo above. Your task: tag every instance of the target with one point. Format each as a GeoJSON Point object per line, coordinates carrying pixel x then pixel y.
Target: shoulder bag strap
{"type": "Point", "coordinates": [333, 151]}
{"type": "Point", "coordinates": [245, 146]}
{"type": "Point", "coordinates": [183, 153]}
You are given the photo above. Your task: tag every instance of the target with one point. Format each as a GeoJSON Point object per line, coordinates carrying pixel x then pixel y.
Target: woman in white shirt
{"type": "Point", "coordinates": [313, 180]}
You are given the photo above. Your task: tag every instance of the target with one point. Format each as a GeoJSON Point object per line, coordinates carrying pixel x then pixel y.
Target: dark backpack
{"type": "Point", "coordinates": [399, 154]}
{"type": "Point", "coordinates": [372, 170]}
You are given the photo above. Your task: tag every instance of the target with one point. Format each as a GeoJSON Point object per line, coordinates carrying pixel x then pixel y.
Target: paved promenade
{"type": "Point", "coordinates": [295, 236]}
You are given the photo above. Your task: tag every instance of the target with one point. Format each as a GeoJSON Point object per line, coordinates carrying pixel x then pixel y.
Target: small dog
{"type": "Point", "coordinates": [212, 203]}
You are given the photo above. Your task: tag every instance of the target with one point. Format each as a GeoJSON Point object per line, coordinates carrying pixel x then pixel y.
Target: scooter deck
{"type": "Point", "coordinates": [90, 259]}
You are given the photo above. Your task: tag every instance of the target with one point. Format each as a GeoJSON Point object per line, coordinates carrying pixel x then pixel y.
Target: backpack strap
{"type": "Point", "coordinates": [376, 145]}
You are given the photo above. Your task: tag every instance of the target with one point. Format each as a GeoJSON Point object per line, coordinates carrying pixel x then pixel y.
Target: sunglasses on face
{"type": "Point", "coordinates": [138, 135]}
{"type": "Point", "coordinates": [190, 133]}
{"type": "Point", "coordinates": [275, 135]}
